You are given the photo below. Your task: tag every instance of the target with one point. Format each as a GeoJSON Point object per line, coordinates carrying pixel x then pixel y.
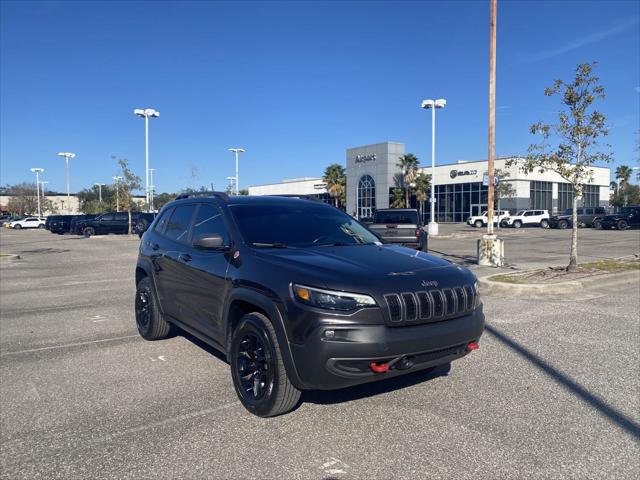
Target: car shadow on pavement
{"type": "Point", "coordinates": [458, 259]}
{"type": "Point", "coordinates": [578, 390]}
{"type": "Point", "coordinates": [328, 397]}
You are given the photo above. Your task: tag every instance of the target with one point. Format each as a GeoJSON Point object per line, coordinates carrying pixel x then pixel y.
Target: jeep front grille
{"type": "Point", "coordinates": [431, 306]}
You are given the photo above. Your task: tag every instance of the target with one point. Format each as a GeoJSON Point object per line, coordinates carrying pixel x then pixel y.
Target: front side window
{"type": "Point", "coordinates": [121, 217]}
{"type": "Point", "coordinates": [209, 221]}
{"type": "Point", "coordinates": [299, 225]}
{"type": "Point", "coordinates": [179, 222]}
{"type": "Point", "coordinates": [162, 221]}
{"type": "Point", "coordinates": [107, 217]}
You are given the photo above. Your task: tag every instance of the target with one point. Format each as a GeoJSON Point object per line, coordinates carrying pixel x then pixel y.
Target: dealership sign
{"type": "Point", "coordinates": [365, 158]}
{"type": "Point", "coordinates": [462, 173]}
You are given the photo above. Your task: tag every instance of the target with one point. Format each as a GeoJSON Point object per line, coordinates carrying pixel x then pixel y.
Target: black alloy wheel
{"type": "Point", "coordinates": [259, 376]}
{"type": "Point", "coordinates": [149, 320]}
{"type": "Point", "coordinates": [88, 231]}
{"type": "Point", "coordinates": [563, 224]}
{"type": "Point", "coordinates": [597, 223]}
{"type": "Point", "coordinates": [622, 225]}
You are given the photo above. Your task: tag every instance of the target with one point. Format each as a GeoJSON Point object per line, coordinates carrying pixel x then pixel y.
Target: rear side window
{"type": "Point", "coordinates": [179, 222]}
{"type": "Point", "coordinates": [122, 217]}
{"type": "Point", "coordinates": [106, 217]}
{"type": "Point", "coordinates": [162, 221]}
{"type": "Point", "coordinates": [209, 221]}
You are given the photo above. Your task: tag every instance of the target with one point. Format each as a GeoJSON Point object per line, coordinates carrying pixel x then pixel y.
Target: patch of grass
{"type": "Point", "coordinates": [610, 265]}
{"type": "Point", "coordinates": [507, 278]}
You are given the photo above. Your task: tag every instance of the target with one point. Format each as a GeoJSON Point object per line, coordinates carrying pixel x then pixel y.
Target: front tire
{"type": "Point", "coordinates": [257, 370]}
{"type": "Point", "coordinates": [88, 231]}
{"type": "Point", "coordinates": [563, 224]}
{"type": "Point", "coordinates": [597, 224]}
{"type": "Point", "coordinates": [41, 227]}
{"type": "Point", "coordinates": [17, 227]}
{"type": "Point", "coordinates": [149, 320]}
{"type": "Point", "coordinates": [623, 225]}
{"type": "Point", "coordinates": [517, 224]}
{"type": "Point", "coordinates": [478, 224]}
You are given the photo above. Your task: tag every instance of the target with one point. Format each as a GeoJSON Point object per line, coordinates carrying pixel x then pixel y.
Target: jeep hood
{"type": "Point", "coordinates": [361, 267]}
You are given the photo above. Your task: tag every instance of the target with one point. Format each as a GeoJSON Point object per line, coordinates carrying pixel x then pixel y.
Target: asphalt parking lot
{"type": "Point", "coordinates": [554, 391]}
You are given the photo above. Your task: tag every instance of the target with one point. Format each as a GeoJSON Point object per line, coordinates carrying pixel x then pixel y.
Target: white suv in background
{"type": "Point", "coordinates": [27, 222]}
{"type": "Point", "coordinates": [481, 220]}
{"type": "Point", "coordinates": [539, 218]}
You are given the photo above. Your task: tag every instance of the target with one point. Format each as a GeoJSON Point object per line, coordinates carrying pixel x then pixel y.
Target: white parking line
{"type": "Point", "coordinates": [67, 345]}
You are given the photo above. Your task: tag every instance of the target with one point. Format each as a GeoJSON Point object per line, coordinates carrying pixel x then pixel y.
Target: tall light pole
{"type": "Point", "coordinates": [146, 113]}
{"type": "Point", "coordinates": [152, 188]}
{"type": "Point", "coordinates": [99, 185]}
{"type": "Point", "coordinates": [67, 156]}
{"type": "Point", "coordinates": [117, 179]}
{"type": "Point", "coordinates": [432, 228]}
{"type": "Point", "coordinates": [237, 151]}
{"type": "Point", "coordinates": [38, 171]}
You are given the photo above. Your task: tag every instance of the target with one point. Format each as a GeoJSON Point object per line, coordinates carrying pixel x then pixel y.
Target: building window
{"type": "Point", "coordinates": [541, 196]}
{"type": "Point", "coordinates": [457, 202]}
{"type": "Point", "coordinates": [565, 196]}
{"type": "Point", "coordinates": [366, 196]}
{"type": "Point", "coordinates": [591, 196]}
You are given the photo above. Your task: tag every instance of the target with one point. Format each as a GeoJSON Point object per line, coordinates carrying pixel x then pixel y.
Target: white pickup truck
{"type": "Point", "coordinates": [481, 220]}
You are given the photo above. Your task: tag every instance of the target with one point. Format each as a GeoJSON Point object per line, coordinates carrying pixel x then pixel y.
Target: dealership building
{"type": "Point", "coordinates": [460, 188]}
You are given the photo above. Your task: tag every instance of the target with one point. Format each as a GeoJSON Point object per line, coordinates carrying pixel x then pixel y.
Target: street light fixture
{"type": "Point", "coordinates": [38, 171]}
{"type": "Point", "coordinates": [117, 178]}
{"type": "Point", "coordinates": [432, 228]}
{"type": "Point", "coordinates": [67, 156]}
{"type": "Point", "coordinates": [146, 113]}
{"type": "Point", "coordinates": [100, 185]}
{"type": "Point", "coordinates": [237, 151]}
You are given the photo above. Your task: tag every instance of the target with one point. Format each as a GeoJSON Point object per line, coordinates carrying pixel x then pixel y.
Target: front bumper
{"type": "Point", "coordinates": [343, 360]}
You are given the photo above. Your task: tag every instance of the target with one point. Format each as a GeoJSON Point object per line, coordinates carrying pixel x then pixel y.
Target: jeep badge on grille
{"type": "Point", "coordinates": [429, 283]}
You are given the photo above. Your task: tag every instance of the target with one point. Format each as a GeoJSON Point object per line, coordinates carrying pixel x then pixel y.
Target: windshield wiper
{"type": "Point", "coordinates": [342, 244]}
{"type": "Point", "coordinates": [270, 245]}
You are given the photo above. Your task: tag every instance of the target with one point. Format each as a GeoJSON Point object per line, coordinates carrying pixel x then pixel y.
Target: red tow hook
{"type": "Point", "coordinates": [473, 346]}
{"type": "Point", "coordinates": [383, 367]}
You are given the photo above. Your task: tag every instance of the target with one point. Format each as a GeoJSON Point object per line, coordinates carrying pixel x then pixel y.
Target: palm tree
{"type": "Point", "coordinates": [409, 166]}
{"type": "Point", "coordinates": [423, 184]}
{"type": "Point", "coordinates": [335, 178]}
{"type": "Point", "coordinates": [396, 198]}
{"type": "Point", "coordinates": [623, 174]}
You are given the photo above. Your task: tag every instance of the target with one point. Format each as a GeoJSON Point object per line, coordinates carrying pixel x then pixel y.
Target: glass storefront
{"type": "Point", "coordinates": [541, 195]}
{"type": "Point", "coordinates": [455, 203]}
{"type": "Point", "coordinates": [366, 196]}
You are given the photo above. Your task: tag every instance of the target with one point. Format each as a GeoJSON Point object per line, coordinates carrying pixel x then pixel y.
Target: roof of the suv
{"type": "Point", "coordinates": [251, 199]}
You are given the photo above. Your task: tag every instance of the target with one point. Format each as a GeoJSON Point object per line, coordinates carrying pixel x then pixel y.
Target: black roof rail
{"type": "Point", "coordinates": [295, 195]}
{"type": "Point", "coordinates": [221, 195]}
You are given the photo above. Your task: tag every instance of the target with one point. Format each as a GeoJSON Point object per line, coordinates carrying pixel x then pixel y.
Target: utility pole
{"type": "Point", "coordinates": [491, 248]}
{"type": "Point", "coordinates": [99, 185]}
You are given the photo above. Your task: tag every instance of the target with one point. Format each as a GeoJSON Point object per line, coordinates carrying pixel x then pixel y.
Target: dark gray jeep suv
{"type": "Point", "coordinates": [299, 295]}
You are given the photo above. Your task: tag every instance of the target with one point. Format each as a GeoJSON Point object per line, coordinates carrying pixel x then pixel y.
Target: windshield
{"type": "Point", "coordinates": [298, 225]}
{"type": "Point", "coordinates": [568, 211]}
{"type": "Point", "coordinates": [399, 217]}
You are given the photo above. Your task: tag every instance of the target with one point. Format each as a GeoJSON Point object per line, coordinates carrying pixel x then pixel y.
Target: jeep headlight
{"type": "Point", "coordinates": [330, 299]}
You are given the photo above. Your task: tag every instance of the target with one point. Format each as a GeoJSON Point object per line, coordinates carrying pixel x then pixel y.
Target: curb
{"type": "Point", "coordinates": [490, 286]}
{"type": "Point", "coordinates": [11, 256]}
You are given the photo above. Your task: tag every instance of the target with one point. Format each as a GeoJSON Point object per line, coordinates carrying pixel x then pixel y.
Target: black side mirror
{"type": "Point", "coordinates": [212, 241]}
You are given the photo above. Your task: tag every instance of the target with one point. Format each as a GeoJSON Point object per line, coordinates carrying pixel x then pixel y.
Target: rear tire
{"type": "Point", "coordinates": [622, 225]}
{"type": "Point", "coordinates": [257, 369]}
{"type": "Point", "coordinates": [149, 320]}
{"type": "Point", "coordinates": [41, 227]}
{"type": "Point", "coordinates": [544, 223]}
{"type": "Point", "coordinates": [88, 231]}
{"type": "Point", "coordinates": [597, 224]}
{"type": "Point", "coordinates": [17, 227]}
{"type": "Point", "coordinates": [563, 224]}
{"type": "Point", "coordinates": [517, 224]}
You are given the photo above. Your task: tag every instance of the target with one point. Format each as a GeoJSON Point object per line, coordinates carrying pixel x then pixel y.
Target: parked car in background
{"type": "Point", "coordinates": [27, 222]}
{"type": "Point", "coordinates": [61, 224]}
{"type": "Point", "coordinates": [112, 222]}
{"type": "Point", "coordinates": [6, 218]}
{"type": "Point", "coordinates": [628, 217]}
{"type": "Point", "coordinates": [143, 220]}
{"type": "Point", "coordinates": [481, 220]}
{"type": "Point", "coordinates": [73, 226]}
{"type": "Point", "coordinates": [401, 226]}
{"type": "Point", "coordinates": [587, 216]}
{"type": "Point", "coordinates": [538, 218]}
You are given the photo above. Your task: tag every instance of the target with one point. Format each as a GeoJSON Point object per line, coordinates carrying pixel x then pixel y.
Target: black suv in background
{"type": "Point", "coordinates": [401, 226]}
{"type": "Point", "coordinates": [627, 217]}
{"type": "Point", "coordinates": [299, 295]}
{"type": "Point", "coordinates": [587, 216]}
{"type": "Point", "coordinates": [114, 222]}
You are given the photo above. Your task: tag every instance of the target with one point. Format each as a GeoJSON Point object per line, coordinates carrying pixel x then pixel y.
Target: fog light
{"type": "Point", "coordinates": [329, 333]}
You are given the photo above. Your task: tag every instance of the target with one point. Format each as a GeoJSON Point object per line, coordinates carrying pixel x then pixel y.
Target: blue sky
{"type": "Point", "coordinates": [295, 83]}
